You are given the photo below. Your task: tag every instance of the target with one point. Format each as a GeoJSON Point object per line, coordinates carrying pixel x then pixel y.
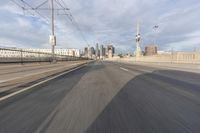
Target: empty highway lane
{"type": "Point", "coordinates": [107, 97]}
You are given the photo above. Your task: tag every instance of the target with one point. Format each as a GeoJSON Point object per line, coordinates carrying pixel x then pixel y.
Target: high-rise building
{"type": "Point", "coordinates": [113, 50]}
{"type": "Point", "coordinates": [97, 51]}
{"type": "Point", "coordinates": [104, 52]}
{"type": "Point", "coordinates": [110, 51]}
{"type": "Point", "coordinates": [101, 52]}
{"type": "Point", "coordinates": [92, 50]}
{"type": "Point", "coordinates": [86, 52]}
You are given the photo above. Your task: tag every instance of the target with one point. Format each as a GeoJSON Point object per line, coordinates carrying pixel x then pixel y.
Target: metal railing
{"type": "Point", "coordinates": [9, 55]}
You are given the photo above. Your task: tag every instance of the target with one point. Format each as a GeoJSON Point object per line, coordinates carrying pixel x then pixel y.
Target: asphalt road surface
{"type": "Point", "coordinates": [106, 97]}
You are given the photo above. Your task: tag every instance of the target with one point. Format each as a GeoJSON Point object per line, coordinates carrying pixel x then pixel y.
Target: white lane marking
{"type": "Point", "coordinates": [30, 87]}
{"type": "Point", "coordinates": [124, 69]}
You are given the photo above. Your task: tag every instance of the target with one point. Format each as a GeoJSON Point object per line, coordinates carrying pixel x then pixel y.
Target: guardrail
{"type": "Point", "coordinates": [8, 55]}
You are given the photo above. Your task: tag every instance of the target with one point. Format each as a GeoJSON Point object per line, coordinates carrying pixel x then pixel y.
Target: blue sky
{"type": "Point", "coordinates": [106, 21]}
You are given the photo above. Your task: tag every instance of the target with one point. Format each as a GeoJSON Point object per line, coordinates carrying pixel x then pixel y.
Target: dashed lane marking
{"type": "Point", "coordinates": [124, 69]}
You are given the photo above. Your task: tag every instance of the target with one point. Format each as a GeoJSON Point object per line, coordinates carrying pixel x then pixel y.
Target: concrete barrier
{"type": "Point", "coordinates": [176, 57]}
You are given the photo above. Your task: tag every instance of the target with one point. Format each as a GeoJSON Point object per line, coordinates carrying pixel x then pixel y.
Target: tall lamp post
{"type": "Point", "coordinates": [138, 50]}
{"type": "Point", "coordinates": [155, 28]}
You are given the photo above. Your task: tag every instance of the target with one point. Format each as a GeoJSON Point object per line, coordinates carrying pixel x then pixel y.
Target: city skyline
{"type": "Point", "coordinates": [99, 51]}
{"type": "Point", "coordinates": [99, 22]}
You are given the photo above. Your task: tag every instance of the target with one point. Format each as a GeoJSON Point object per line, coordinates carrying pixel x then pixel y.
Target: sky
{"type": "Point", "coordinates": [104, 22]}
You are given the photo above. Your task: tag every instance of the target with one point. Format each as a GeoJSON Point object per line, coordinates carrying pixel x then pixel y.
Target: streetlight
{"type": "Point", "coordinates": [137, 38]}
{"type": "Point", "coordinates": [155, 29]}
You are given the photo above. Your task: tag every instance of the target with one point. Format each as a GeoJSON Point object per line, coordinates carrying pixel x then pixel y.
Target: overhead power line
{"type": "Point", "coordinates": [58, 5]}
{"type": "Point", "coordinates": [25, 6]}
{"type": "Point", "coordinates": [72, 19]}
{"type": "Point", "coordinates": [62, 7]}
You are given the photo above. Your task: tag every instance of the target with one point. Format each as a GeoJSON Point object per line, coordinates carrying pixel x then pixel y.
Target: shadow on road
{"type": "Point", "coordinates": [153, 103]}
{"type": "Point", "coordinates": [28, 110]}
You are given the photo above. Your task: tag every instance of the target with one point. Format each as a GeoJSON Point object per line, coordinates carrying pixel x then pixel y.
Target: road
{"type": "Point", "coordinates": [106, 97]}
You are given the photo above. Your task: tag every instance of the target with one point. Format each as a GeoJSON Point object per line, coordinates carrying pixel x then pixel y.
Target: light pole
{"type": "Point", "coordinates": [52, 37]}
{"type": "Point", "coordinates": [155, 29]}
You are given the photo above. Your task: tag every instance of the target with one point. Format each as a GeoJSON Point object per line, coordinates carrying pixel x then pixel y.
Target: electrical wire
{"type": "Point", "coordinates": [63, 6]}
{"type": "Point", "coordinates": [72, 19]}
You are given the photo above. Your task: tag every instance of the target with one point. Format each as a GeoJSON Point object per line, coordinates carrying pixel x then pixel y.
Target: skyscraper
{"type": "Point", "coordinates": [101, 52]}
{"type": "Point", "coordinates": [92, 50]}
{"type": "Point", "coordinates": [97, 51]}
{"type": "Point", "coordinates": [86, 51]}
{"type": "Point", "coordinates": [110, 51]}
{"type": "Point", "coordinates": [104, 52]}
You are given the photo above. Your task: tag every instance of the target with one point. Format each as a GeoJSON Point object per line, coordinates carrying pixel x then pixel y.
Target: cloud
{"type": "Point", "coordinates": [104, 21]}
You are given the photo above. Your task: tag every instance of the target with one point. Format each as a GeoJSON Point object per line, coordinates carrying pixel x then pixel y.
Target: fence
{"type": "Point", "coordinates": [8, 55]}
{"type": "Point", "coordinates": [176, 57]}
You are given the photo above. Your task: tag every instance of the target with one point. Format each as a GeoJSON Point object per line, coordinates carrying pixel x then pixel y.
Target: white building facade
{"type": "Point", "coordinates": [31, 52]}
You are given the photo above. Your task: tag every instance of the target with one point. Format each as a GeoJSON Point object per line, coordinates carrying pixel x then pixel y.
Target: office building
{"type": "Point", "coordinates": [150, 50]}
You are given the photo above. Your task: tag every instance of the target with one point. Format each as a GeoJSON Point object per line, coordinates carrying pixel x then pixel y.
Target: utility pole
{"type": "Point", "coordinates": [28, 7]}
{"type": "Point", "coordinates": [52, 36]}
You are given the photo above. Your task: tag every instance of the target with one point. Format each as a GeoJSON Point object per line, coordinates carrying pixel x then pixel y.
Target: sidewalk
{"type": "Point", "coordinates": [16, 76]}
